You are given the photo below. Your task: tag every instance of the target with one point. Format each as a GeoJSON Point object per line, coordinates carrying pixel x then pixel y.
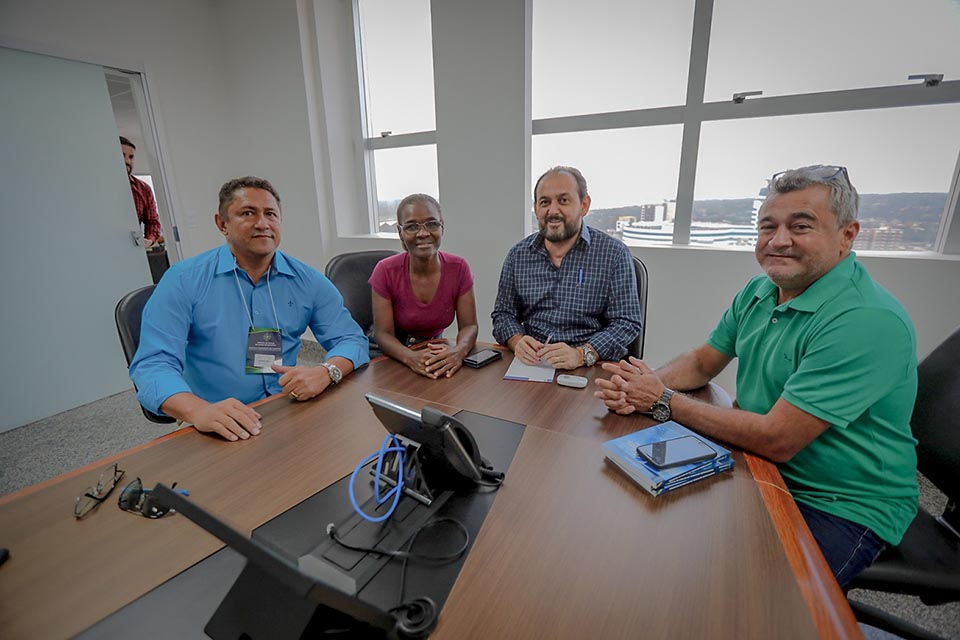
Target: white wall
{"type": "Point", "coordinates": [267, 117]}
{"type": "Point", "coordinates": [177, 42]}
{"type": "Point", "coordinates": [481, 62]}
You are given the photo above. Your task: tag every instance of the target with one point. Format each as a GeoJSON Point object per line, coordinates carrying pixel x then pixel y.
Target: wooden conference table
{"type": "Point", "coordinates": [570, 549]}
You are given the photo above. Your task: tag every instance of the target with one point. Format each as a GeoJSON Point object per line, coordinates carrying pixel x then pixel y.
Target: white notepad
{"type": "Point", "coordinates": [531, 373]}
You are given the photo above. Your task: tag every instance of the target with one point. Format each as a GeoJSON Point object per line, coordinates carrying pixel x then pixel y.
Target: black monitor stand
{"type": "Point", "coordinates": [274, 598]}
{"type": "Point", "coordinates": [182, 606]}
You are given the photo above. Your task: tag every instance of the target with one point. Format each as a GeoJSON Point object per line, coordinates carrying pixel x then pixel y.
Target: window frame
{"type": "Point", "coordinates": [692, 114]}
{"type": "Point", "coordinates": [695, 112]}
{"type": "Point", "coordinates": [372, 143]}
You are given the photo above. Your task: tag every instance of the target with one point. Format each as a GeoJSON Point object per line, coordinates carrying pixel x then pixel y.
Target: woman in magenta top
{"type": "Point", "coordinates": [417, 293]}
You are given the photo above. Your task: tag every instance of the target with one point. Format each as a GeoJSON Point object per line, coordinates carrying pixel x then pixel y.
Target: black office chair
{"type": "Point", "coordinates": [926, 563]}
{"type": "Point", "coordinates": [349, 273]}
{"type": "Point", "coordinates": [128, 314]}
{"type": "Point", "coordinates": [636, 347]}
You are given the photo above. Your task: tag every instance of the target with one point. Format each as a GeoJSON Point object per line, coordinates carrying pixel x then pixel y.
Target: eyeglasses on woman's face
{"type": "Point", "coordinates": [413, 228]}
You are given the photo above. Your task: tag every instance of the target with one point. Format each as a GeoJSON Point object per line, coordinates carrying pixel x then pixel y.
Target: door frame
{"type": "Point", "coordinates": [151, 124]}
{"type": "Point", "coordinates": [161, 190]}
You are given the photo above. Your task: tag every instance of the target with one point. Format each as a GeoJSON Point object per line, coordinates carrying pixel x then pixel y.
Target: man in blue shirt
{"type": "Point", "coordinates": [568, 293]}
{"type": "Point", "coordinates": [223, 328]}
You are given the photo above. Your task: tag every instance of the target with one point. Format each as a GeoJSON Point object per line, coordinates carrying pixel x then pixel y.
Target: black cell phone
{"type": "Point", "coordinates": [677, 451]}
{"type": "Point", "coordinates": [482, 357]}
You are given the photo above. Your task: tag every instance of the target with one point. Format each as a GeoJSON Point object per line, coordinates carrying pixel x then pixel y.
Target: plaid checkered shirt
{"type": "Point", "coordinates": [591, 297]}
{"type": "Point", "coordinates": [146, 208]}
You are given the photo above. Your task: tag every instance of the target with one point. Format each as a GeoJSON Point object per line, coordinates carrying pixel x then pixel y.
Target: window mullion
{"type": "Point", "coordinates": [834, 101]}
{"type": "Point", "coordinates": [948, 240]}
{"type": "Point", "coordinates": [420, 138]}
{"type": "Point", "coordinates": [692, 120]}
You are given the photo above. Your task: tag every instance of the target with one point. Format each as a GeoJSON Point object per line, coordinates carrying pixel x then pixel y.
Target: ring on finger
{"type": "Point", "coordinates": [295, 395]}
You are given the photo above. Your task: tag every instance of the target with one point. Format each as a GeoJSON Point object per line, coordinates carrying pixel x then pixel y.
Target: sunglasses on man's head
{"type": "Point", "coordinates": [824, 172]}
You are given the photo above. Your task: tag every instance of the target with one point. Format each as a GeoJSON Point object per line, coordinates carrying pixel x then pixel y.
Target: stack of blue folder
{"type": "Point", "coordinates": [622, 452]}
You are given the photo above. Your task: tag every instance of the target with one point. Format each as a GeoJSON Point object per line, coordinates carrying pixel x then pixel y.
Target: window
{"type": "Point", "coordinates": [783, 48]}
{"type": "Point", "coordinates": [609, 55]}
{"type": "Point", "coordinates": [834, 91]}
{"type": "Point", "coordinates": [396, 77]}
{"type": "Point", "coordinates": [639, 95]}
{"type": "Point", "coordinates": [401, 172]}
{"type": "Point", "coordinates": [627, 184]}
{"type": "Point", "coordinates": [902, 202]}
{"type": "Point", "coordinates": [397, 57]}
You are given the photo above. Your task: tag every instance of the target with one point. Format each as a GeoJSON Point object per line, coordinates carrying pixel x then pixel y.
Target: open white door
{"type": "Point", "coordinates": [66, 252]}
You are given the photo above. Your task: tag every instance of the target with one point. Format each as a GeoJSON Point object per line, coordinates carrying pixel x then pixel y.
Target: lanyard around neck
{"type": "Point", "coordinates": [243, 298]}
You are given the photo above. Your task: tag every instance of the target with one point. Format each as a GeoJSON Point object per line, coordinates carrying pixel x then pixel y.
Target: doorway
{"type": "Point", "coordinates": [132, 114]}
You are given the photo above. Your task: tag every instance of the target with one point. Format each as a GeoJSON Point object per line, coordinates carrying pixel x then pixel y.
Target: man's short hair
{"type": "Point", "coordinates": [419, 198]}
{"type": "Point", "coordinates": [228, 192]}
{"type": "Point", "coordinates": [571, 171]}
{"type": "Point", "coordinates": [126, 141]}
{"type": "Point", "coordinates": [844, 199]}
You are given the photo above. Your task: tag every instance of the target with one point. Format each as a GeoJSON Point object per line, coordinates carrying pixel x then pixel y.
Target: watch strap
{"type": "Point", "coordinates": [334, 372]}
{"type": "Point", "coordinates": [590, 355]}
{"type": "Point", "coordinates": [666, 396]}
{"type": "Point", "coordinates": [660, 410]}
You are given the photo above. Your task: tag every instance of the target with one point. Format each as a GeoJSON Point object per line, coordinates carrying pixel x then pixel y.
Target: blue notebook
{"type": "Point", "coordinates": [622, 452]}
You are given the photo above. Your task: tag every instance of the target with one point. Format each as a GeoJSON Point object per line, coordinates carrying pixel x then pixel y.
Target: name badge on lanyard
{"type": "Point", "coordinates": [264, 348]}
{"type": "Point", "coordinates": [264, 344]}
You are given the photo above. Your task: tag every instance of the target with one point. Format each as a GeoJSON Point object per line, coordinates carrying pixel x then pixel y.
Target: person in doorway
{"type": "Point", "coordinates": [143, 200]}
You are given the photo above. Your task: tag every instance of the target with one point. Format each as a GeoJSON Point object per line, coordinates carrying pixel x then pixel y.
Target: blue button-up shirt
{"type": "Point", "coordinates": [193, 336]}
{"type": "Point", "coordinates": [591, 297]}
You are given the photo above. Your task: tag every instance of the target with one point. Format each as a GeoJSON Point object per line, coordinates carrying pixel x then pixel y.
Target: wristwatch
{"type": "Point", "coordinates": [589, 354]}
{"type": "Point", "coordinates": [660, 410]}
{"type": "Point", "coordinates": [335, 374]}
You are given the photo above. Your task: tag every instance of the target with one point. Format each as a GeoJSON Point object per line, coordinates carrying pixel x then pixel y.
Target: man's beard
{"type": "Point", "coordinates": [569, 229]}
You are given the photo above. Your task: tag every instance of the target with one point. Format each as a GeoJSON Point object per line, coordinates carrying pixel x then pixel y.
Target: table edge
{"type": "Point", "coordinates": [819, 588]}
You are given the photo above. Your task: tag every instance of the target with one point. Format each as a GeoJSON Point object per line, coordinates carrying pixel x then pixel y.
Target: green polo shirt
{"type": "Point", "coordinates": [844, 351]}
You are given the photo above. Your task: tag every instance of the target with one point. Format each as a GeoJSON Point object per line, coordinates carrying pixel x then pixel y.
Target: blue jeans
{"type": "Point", "coordinates": [848, 547]}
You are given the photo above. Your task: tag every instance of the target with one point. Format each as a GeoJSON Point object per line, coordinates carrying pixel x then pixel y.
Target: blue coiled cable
{"type": "Point", "coordinates": [390, 445]}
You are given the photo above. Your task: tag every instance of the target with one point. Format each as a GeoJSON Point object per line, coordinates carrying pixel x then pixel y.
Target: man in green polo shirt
{"type": "Point", "coordinates": [827, 376]}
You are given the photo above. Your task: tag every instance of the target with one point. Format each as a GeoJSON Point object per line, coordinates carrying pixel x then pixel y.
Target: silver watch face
{"type": "Point", "coordinates": [660, 411]}
{"type": "Point", "coordinates": [589, 357]}
{"type": "Point", "coordinates": [335, 374]}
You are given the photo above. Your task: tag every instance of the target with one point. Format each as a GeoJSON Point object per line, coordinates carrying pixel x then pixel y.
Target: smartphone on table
{"type": "Point", "coordinates": [482, 357]}
{"type": "Point", "coordinates": [676, 451]}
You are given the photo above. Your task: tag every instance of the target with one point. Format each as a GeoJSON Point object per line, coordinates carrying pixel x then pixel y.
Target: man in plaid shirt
{"type": "Point", "coordinates": [142, 197]}
{"type": "Point", "coordinates": [568, 293]}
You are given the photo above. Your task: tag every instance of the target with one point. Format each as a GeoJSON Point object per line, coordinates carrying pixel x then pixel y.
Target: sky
{"type": "Point", "coordinates": [626, 54]}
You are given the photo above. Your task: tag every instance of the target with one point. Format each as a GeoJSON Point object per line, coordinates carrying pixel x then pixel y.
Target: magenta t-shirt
{"type": "Point", "coordinates": [391, 279]}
